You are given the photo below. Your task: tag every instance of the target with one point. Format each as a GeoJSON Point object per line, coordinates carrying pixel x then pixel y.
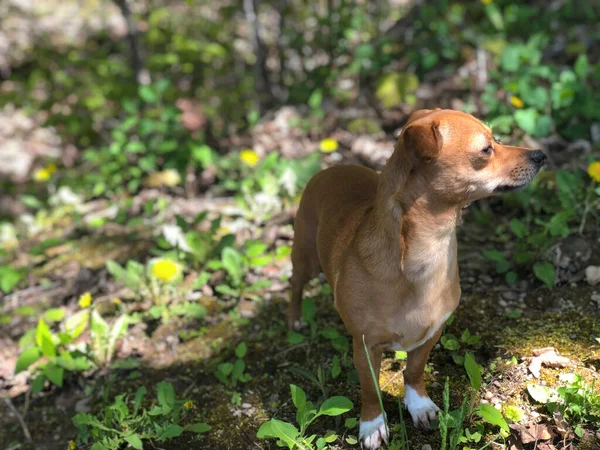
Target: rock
{"type": "Point", "coordinates": [486, 279]}
{"type": "Point", "coordinates": [510, 295]}
{"type": "Point", "coordinates": [426, 447]}
{"type": "Point", "coordinates": [592, 275]}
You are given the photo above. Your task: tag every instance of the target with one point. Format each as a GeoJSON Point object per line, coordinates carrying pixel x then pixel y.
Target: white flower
{"type": "Point", "coordinates": [175, 236]}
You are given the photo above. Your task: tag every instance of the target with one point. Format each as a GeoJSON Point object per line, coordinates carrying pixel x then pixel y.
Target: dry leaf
{"type": "Point", "coordinates": [547, 357]}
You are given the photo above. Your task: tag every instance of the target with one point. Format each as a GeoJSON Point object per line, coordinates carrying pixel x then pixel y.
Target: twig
{"type": "Point", "coordinates": [261, 77]}
{"type": "Point", "coordinates": [586, 208]}
{"type": "Point", "coordinates": [19, 418]}
{"type": "Point", "coordinates": [141, 74]}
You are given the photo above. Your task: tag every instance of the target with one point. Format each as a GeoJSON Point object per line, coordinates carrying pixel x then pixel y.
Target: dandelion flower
{"type": "Point", "coordinates": [165, 270]}
{"type": "Point", "coordinates": [487, 2]}
{"type": "Point", "coordinates": [516, 102]}
{"type": "Point", "coordinates": [42, 175]}
{"type": "Point", "coordinates": [189, 405]}
{"type": "Point", "coordinates": [249, 157]}
{"type": "Point", "coordinates": [116, 301]}
{"type": "Point", "coordinates": [328, 145]}
{"type": "Point", "coordinates": [72, 445]}
{"type": "Point", "coordinates": [594, 171]}
{"type": "Point", "coordinates": [85, 301]}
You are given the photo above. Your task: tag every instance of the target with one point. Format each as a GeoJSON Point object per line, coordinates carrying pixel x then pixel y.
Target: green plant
{"type": "Point", "coordinates": [451, 343]}
{"type": "Point", "coordinates": [57, 352]}
{"type": "Point", "coordinates": [9, 278]}
{"type": "Point", "coordinates": [159, 280]}
{"type": "Point", "coordinates": [127, 422]}
{"type": "Point", "coordinates": [149, 138]}
{"type": "Point", "coordinates": [293, 437]}
{"type": "Point", "coordinates": [451, 420]}
{"type": "Point", "coordinates": [230, 373]}
{"type": "Point", "coordinates": [576, 401]}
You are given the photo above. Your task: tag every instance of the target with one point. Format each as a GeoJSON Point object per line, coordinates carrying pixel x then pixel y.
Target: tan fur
{"type": "Point", "coordinates": [386, 242]}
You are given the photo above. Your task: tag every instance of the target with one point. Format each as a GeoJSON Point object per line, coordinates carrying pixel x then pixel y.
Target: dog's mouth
{"type": "Point", "coordinates": [509, 187]}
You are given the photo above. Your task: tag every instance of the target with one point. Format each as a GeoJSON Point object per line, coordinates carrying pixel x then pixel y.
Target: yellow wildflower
{"type": "Point", "coordinates": [165, 270]}
{"type": "Point", "coordinates": [85, 301]}
{"type": "Point", "coordinates": [594, 171]}
{"type": "Point", "coordinates": [116, 301]}
{"type": "Point", "coordinates": [249, 157]}
{"type": "Point", "coordinates": [328, 145]}
{"type": "Point", "coordinates": [42, 175]}
{"type": "Point", "coordinates": [516, 102]}
{"type": "Point", "coordinates": [487, 2]}
{"type": "Point", "coordinates": [72, 445]}
{"type": "Point", "coordinates": [189, 405]}
{"type": "Point", "coordinates": [51, 168]}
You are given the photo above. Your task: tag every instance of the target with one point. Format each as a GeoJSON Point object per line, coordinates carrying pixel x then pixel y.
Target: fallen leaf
{"type": "Point", "coordinates": [547, 357]}
{"type": "Point", "coordinates": [533, 433]}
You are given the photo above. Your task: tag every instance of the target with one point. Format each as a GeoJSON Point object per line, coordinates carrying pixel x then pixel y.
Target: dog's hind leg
{"type": "Point", "coordinates": [305, 265]}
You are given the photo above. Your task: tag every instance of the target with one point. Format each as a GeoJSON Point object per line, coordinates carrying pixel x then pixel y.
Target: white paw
{"type": "Point", "coordinates": [421, 409]}
{"type": "Point", "coordinates": [373, 433]}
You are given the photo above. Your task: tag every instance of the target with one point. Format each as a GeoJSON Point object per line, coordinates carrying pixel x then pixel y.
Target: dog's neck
{"type": "Point", "coordinates": [412, 227]}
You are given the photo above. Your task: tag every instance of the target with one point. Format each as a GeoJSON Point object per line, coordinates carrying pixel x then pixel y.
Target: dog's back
{"type": "Point", "coordinates": [332, 206]}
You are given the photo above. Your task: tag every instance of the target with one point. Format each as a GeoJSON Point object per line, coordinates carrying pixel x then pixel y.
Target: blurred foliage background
{"type": "Point", "coordinates": [152, 153]}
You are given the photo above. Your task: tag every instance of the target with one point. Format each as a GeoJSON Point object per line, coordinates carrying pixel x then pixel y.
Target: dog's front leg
{"type": "Point", "coordinates": [419, 405]}
{"type": "Point", "coordinates": [373, 432]}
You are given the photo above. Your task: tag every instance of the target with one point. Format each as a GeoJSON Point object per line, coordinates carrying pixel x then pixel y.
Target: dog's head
{"type": "Point", "coordinates": [455, 156]}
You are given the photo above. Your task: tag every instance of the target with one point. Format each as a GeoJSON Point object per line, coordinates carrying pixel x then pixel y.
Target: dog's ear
{"type": "Point", "coordinates": [422, 138]}
{"type": "Point", "coordinates": [418, 114]}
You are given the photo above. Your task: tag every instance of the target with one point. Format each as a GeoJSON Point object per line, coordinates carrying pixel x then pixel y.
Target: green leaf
{"type": "Point", "coordinates": [298, 397]}
{"type": "Point", "coordinates": [540, 394]}
{"type": "Point", "coordinates": [9, 278]}
{"type": "Point", "coordinates": [335, 406]}
{"type": "Point", "coordinates": [44, 340]}
{"type": "Point", "coordinates": [518, 228]}
{"type": "Point", "coordinates": [315, 99]}
{"type": "Point", "coordinates": [526, 120]}
{"type": "Point", "coordinates": [494, 255]}
{"type": "Point", "coordinates": [545, 272]}
{"type": "Point", "coordinates": [350, 422]}
{"type": "Point", "coordinates": [98, 446]}
{"type": "Point", "coordinates": [491, 415]}
{"type": "Point", "coordinates": [309, 309]}
{"type": "Point", "coordinates": [233, 263]}
{"type": "Point", "coordinates": [473, 370]}
{"type": "Point", "coordinates": [139, 398]}
{"type": "Point", "coordinates": [55, 374]}
{"type": "Point", "coordinates": [54, 315]}
{"type": "Point", "coordinates": [280, 430]}
{"type": "Point", "coordinates": [449, 342]}
{"type": "Point", "coordinates": [148, 94]}
{"type": "Point", "coordinates": [495, 15]}
{"type": "Point", "coordinates": [294, 337]}
{"type": "Point", "coordinates": [171, 431]}
{"type": "Point", "coordinates": [135, 441]}
{"type": "Point", "coordinates": [166, 394]}
{"type": "Point", "coordinates": [27, 358]}
{"type": "Point", "coordinates": [511, 277]}
{"type": "Point", "coordinates": [582, 67]}
{"type": "Point", "coordinates": [241, 349]}
{"type": "Point", "coordinates": [198, 428]}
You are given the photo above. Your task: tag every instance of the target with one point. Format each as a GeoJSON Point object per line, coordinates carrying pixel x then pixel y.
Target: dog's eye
{"type": "Point", "coordinates": [487, 150]}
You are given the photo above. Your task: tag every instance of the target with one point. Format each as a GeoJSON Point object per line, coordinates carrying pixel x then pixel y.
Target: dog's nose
{"type": "Point", "coordinates": [537, 156]}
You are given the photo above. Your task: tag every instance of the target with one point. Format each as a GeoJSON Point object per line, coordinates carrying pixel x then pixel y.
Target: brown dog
{"type": "Point", "coordinates": [387, 244]}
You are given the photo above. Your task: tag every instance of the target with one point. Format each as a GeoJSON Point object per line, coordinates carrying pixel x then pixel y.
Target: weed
{"type": "Point", "coordinates": [292, 437]}
{"type": "Point", "coordinates": [126, 421]}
